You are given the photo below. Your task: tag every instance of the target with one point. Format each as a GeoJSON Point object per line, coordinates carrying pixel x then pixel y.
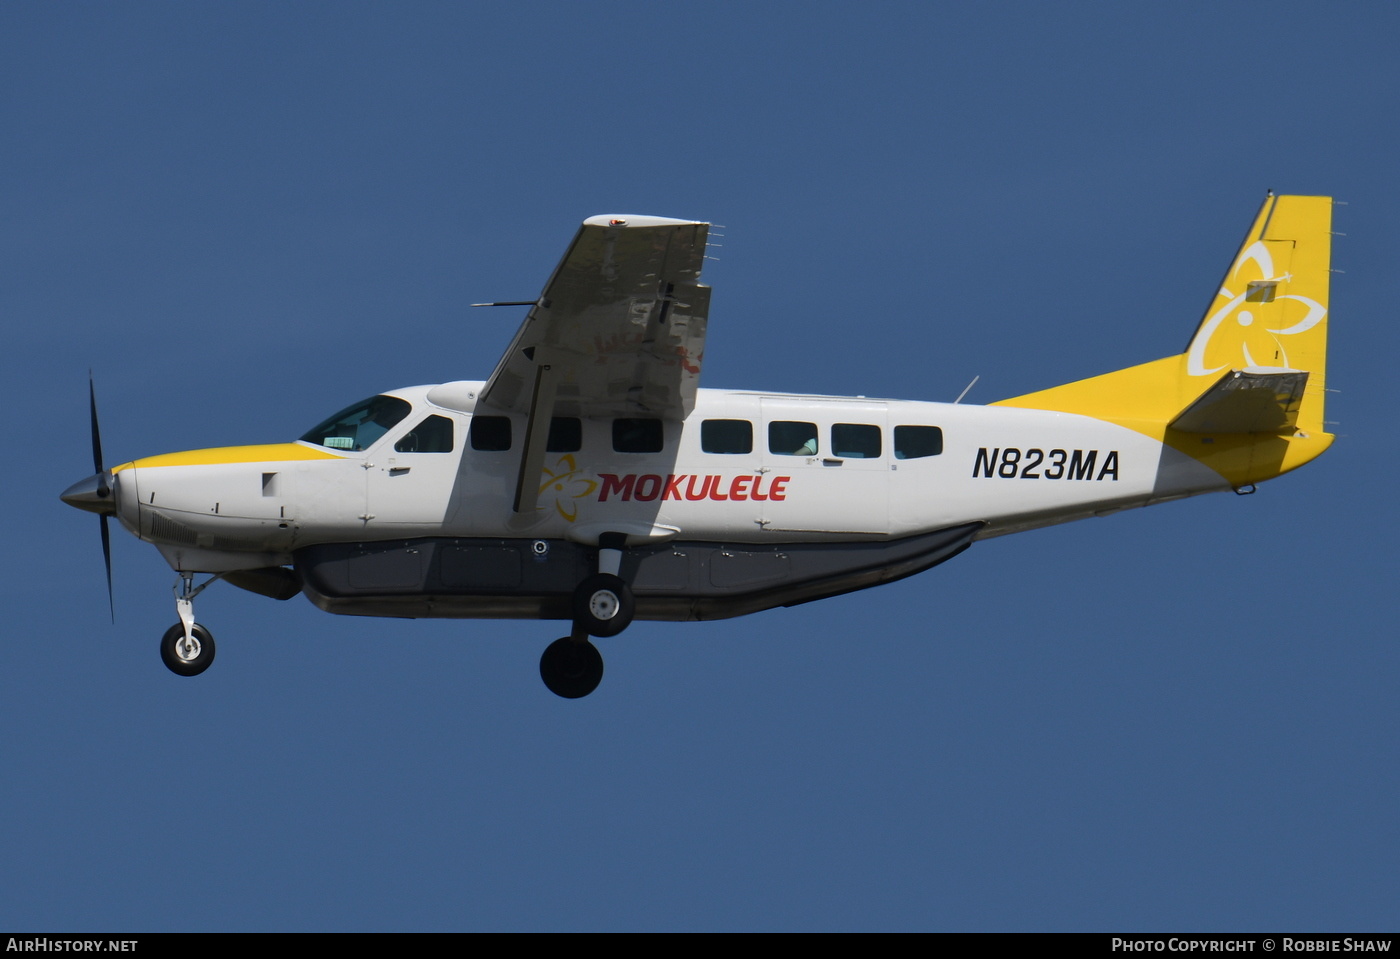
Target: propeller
{"type": "Point", "coordinates": [104, 491]}
{"type": "Point", "coordinates": [97, 494]}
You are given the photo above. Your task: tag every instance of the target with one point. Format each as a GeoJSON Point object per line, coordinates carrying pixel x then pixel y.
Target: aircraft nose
{"type": "Point", "coordinates": [94, 494]}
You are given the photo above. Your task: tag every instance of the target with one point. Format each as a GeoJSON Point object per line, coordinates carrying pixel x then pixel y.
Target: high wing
{"type": "Point", "coordinates": [618, 331]}
{"type": "Point", "coordinates": [620, 325]}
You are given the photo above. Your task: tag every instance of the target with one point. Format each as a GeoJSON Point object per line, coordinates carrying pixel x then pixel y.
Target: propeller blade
{"type": "Point", "coordinates": [96, 440]}
{"type": "Point", "coordinates": [102, 490]}
{"type": "Point", "coordinates": [107, 560]}
{"type": "Point", "coordinates": [96, 434]}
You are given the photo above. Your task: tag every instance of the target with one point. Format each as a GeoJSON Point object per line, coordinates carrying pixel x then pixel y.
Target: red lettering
{"type": "Point", "coordinates": [613, 483]}
{"type": "Point", "coordinates": [652, 484]}
{"type": "Point", "coordinates": [704, 489]}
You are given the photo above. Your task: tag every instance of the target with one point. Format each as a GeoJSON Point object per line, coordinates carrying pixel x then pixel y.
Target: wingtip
{"type": "Point", "coordinates": [638, 220]}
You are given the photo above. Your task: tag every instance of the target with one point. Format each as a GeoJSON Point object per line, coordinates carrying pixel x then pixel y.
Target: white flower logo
{"type": "Point", "coordinates": [1265, 337]}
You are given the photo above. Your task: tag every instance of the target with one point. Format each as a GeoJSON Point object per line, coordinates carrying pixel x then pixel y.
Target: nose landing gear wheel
{"type": "Point", "coordinates": [603, 605]}
{"type": "Point", "coordinates": [571, 668]}
{"type": "Point", "coordinates": [187, 658]}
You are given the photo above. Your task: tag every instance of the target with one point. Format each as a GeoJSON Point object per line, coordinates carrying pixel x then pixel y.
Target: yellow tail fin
{"type": "Point", "coordinates": [1246, 397]}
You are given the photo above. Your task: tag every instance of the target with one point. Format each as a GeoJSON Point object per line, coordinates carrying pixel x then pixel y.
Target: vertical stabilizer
{"type": "Point", "coordinates": [1270, 313]}
{"type": "Point", "coordinates": [1246, 398]}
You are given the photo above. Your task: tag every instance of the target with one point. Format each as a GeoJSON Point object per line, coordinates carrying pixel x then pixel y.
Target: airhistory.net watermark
{"type": "Point", "coordinates": [43, 944]}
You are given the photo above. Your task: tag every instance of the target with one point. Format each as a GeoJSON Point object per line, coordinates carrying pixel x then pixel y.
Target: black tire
{"type": "Point", "coordinates": [182, 666]}
{"type": "Point", "coordinates": [603, 605]}
{"type": "Point", "coordinates": [571, 668]}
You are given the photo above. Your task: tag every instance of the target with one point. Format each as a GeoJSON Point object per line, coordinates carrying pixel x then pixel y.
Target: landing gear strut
{"type": "Point", "coordinates": [603, 605]}
{"type": "Point", "coordinates": [187, 648]}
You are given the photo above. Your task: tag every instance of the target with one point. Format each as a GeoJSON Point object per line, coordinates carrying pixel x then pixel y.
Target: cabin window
{"type": "Point", "coordinates": [490, 433]}
{"type": "Point", "coordinates": [565, 435]}
{"type": "Point", "coordinates": [726, 436]}
{"type": "Point", "coordinates": [856, 441]}
{"type": "Point", "coordinates": [358, 427]}
{"type": "Point", "coordinates": [433, 435]}
{"type": "Point", "coordinates": [787, 438]}
{"type": "Point", "coordinates": [916, 442]}
{"type": "Point", "coordinates": [637, 436]}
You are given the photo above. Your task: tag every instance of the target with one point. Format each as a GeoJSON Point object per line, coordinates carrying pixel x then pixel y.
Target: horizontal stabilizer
{"type": "Point", "coordinates": [1251, 400]}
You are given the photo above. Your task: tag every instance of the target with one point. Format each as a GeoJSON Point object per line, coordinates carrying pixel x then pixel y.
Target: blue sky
{"type": "Point", "coordinates": [246, 216]}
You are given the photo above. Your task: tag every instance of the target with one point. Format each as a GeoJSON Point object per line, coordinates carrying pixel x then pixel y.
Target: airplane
{"type": "Point", "coordinates": [589, 478]}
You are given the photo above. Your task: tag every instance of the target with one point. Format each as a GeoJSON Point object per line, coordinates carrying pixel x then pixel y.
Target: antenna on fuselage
{"type": "Point", "coordinates": [966, 388]}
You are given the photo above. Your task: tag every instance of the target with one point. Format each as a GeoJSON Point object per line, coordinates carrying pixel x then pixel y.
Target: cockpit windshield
{"type": "Point", "coordinates": [357, 427]}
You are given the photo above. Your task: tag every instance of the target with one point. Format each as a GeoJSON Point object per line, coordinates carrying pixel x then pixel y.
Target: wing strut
{"type": "Point", "coordinates": [527, 485]}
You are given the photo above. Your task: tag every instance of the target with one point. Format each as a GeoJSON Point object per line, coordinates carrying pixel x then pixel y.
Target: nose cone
{"type": "Point", "coordinates": [94, 494]}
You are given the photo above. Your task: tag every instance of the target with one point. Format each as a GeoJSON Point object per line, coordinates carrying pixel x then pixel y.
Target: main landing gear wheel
{"type": "Point", "coordinates": [187, 658]}
{"type": "Point", "coordinates": [571, 668]}
{"type": "Point", "coordinates": [603, 605]}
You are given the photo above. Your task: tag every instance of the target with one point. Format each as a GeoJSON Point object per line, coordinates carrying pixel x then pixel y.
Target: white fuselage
{"type": "Point", "coordinates": [1011, 469]}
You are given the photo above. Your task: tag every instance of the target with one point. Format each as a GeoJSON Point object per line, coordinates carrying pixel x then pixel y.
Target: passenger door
{"type": "Point", "coordinates": [835, 457]}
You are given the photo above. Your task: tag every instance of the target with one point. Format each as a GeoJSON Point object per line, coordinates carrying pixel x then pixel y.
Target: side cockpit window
{"type": "Point", "coordinates": [359, 426]}
{"type": "Point", "coordinates": [433, 435]}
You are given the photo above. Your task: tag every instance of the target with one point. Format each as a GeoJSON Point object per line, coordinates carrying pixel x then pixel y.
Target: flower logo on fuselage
{"type": "Point", "coordinates": [568, 486]}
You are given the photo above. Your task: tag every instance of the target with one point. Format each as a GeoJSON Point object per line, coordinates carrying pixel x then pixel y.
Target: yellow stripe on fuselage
{"type": "Point", "coordinates": [270, 453]}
